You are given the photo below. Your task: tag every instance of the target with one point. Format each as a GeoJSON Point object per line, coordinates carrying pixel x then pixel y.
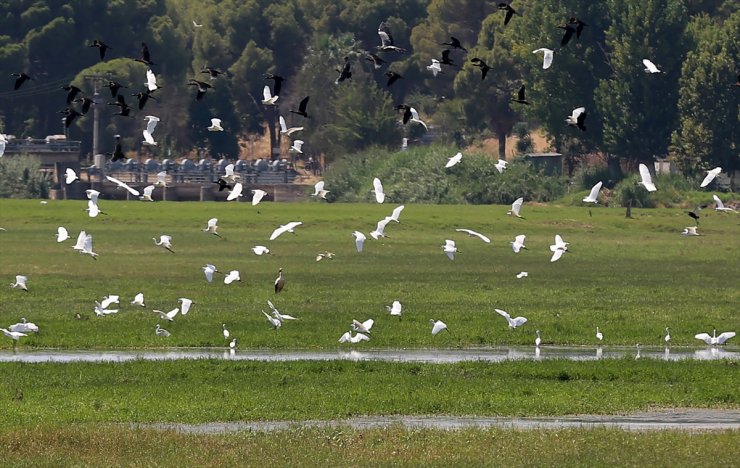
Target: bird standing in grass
{"type": "Point", "coordinates": [279, 281]}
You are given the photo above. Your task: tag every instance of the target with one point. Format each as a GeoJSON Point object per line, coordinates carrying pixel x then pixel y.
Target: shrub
{"type": "Point", "coordinates": [21, 177]}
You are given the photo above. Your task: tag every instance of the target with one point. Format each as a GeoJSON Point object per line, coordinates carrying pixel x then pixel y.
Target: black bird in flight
{"type": "Point", "coordinates": [202, 88]}
{"type": "Point", "coordinates": [578, 24]}
{"type": "Point", "coordinates": [222, 184]}
{"type": "Point", "coordinates": [72, 92]}
{"type": "Point", "coordinates": [406, 112]}
{"type": "Point", "coordinates": [482, 65]}
{"type": "Point", "coordinates": [124, 109]}
{"type": "Point", "coordinates": [114, 87]}
{"type": "Point", "coordinates": [20, 78]}
{"type": "Point", "coordinates": [145, 58]}
{"type": "Point", "coordinates": [509, 13]}
{"type": "Point", "coordinates": [392, 77]}
{"type": "Point", "coordinates": [521, 97]}
{"type": "Point", "coordinates": [213, 73]}
{"type": "Point", "coordinates": [569, 30]}
{"type": "Point", "coordinates": [302, 107]}
{"type": "Point", "coordinates": [86, 103]}
{"type": "Point", "coordinates": [695, 215]}
{"type": "Point", "coordinates": [117, 153]}
{"type": "Point", "coordinates": [446, 60]}
{"type": "Point", "coordinates": [102, 47]}
{"type": "Point", "coordinates": [278, 83]}
{"type": "Point", "coordinates": [70, 115]}
{"type": "Point", "coordinates": [143, 98]}
{"type": "Point", "coordinates": [345, 73]}
{"type": "Point", "coordinates": [455, 44]}
{"type": "Point", "coordinates": [377, 61]}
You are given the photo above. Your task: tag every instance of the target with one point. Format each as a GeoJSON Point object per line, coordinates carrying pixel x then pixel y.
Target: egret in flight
{"type": "Point", "coordinates": [138, 300]}
{"type": "Point", "coordinates": [646, 179]}
{"type": "Point", "coordinates": [450, 249]}
{"type": "Point", "coordinates": [518, 243]}
{"type": "Point", "coordinates": [378, 190]}
{"type": "Point", "coordinates": [513, 322]}
{"type": "Point", "coordinates": [359, 240]}
{"type": "Point", "coordinates": [165, 242]}
{"type": "Point", "coordinates": [721, 206]}
{"type": "Point", "coordinates": [62, 234]}
{"type": "Point", "coordinates": [20, 282]}
{"type": "Point", "coordinates": [257, 196]}
{"type": "Point", "coordinates": [232, 276]}
{"type": "Point", "coordinates": [516, 207]}
{"type": "Point", "coordinates": [209, 270]}
{"type": "Point", "coordinates": [362, 327]}
{"type": "Point", "coordinates": [212, 227]}
{"type": "Point", "coordinates": [472, 233]}
{"type": "Point", "coordinates": [24, 326]}
{"type": "Point", "coordinates": [711, 174]}
{"type": "Point", "coordinates": [70, 176]}
{"type": "Point", "coordinates": [714, 339]}
{"type": "Point", "coordinates": [395, 309]}
{"type": "Point", "coordinates": [185, 305]}
{"type": "Point", "coordinates": [285, 228]}
{"type": "Point", "coordinates": [438, 326]}
{"type": "Point", "coordinates": [347, 337]}
{"type": "Point", "coordinates": [260, 250]}
{"type": "Point", "coordinates": [593, 196]}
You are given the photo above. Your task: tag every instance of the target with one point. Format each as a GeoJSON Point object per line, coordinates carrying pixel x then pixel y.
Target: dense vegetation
{"type": "Point", "coordinates": [690, 109]}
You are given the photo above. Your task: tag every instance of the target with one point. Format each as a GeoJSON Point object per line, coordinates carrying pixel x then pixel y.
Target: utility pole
{"type": "Point", "coordinates": [96, 80]}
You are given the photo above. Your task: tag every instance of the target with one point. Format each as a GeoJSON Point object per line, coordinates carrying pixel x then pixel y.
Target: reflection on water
{"type": "Point", "coordinates": [389, 355]}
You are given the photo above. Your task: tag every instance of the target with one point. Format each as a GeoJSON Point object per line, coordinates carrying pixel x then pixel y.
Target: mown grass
{"type": "Point", "coordinates": [213, 390]}
{"type": "Point", "coordinates": [630, 277]}
{"type": "Point", "coordinates": [113, 446]}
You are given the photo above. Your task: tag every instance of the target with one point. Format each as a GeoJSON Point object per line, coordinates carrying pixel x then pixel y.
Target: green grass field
{"type": "Point", "coordinates": [630, 277]}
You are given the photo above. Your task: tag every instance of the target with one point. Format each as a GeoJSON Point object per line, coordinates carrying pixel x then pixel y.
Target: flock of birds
{"type": "Point", "coordinates": [229, 180]}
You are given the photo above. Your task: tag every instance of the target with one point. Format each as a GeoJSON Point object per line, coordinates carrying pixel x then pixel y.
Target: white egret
{"type": "Point", "coordinates": [556, 254]}
{"type": "Point", "coordinates": [513, 322]}
{"type": "Point", "coordinates": [20, 282]}
{"type": "Point", "coordinates": [348, 338]}
{"type": "Point", "coordinates": [92, 195]}
{"type": "Point", "coordinates": [285, 228]}
{"type": "Point", "coordinates": [378, 190]}
{"type": "Point", "coordinates": [359, 239]}
{"type": "Point", "coordinates": [276, 313]}
{"type": "Point", "coordinates": [138, 300]}
{"type": "Point", "coordinates": [236, 192]}
{"type": "Point", "coordinates": [110, 299]}
{"type": "Point", "coordinates": [577, 118]}
{"type": "Point", "coordinates": [229, 175]}
{"type": "Point", "coordinates": [711, 174]}
{"type": "Point", "coordinates": [226, 332]}
{"type": "Point", "coordinates": [396, 213]}
{"type": "Point", "coordinates": [196, 25]}
{"type": "Point", "coordinates": [100, 311]}
{"type": "Point", "coordinates": [721, 206]}
{"type": "Point", "coordinates": [500, 165]}
{"type": "Point", "coordinates": [326, 254]}
{"type": "Point", "coordinates": [454, 160]}
{"type": "Point", "coordinates": [558, 248]}
{"type": "Point", "coordinates": [438, 326]}
{"type": "Point", "coordinates": [379, 230]}
{"type": "Point", "coordinates": [62, 234]}
{"type": "Point", "coordinates": [165, 242]}
{"type": "Point", "coordinates": [70, 176]}
{"type": "Point", "coordinates": [646, 179]}
{"type": "Point", "coordinates": [257, 196]}
{"type": "Point", "coordinates": [275, 322]}
{"type": "Point", "coordinates": [267, 98]}
{"type": "Point", "coordinates": [151, 80]}
{"type": "Point", "coordinates": [215, 125]}
{"type": "Point", "coordinates": [3, 143]}
{"type": "Point", "coordinates": [169, 316]}
{"type": "Point", "coordinates": [79, 245]}
{"type": "Point", "coordinates": [279, 281]}
{"type": "Point", "coordinates": [435, 67]}
{"type": "Point", "coordinates": [667, 337]}
{"type": "Point", "coordinates": [522, 274]}
{"type": "Point", "coordinates": [92, 209]}
{"type": "Point", "coordinates": [318, 190]}
{"type": "Point", "coordinates": [260, 250]}
{"type": "Point", "coordinates": [161, 179]}
{"type": "Point", "coordinates": [232, 276]}
{"type": "Point", "coordinates": [362, 327]}
{"type": "Point", "coordinates": [518, 243]}
{"type": "Point", "coordinates": [123, 185]}
{"type": "Point", "coordinates": [538, 340]}
{"type": "Point", "coordinates": [593, 196]}
{"type": "Point", "coordinates": [147, 196]}
{"type": "Point", "coordinates": [690, 231]}
{"type": "Point", "coordinates": [547, 55]}
{"type": "Point", "coordinates": [15, 336]}
{"type": "Point", "coordinates": [288, 131]}
{"type": "Point", "coordinates": [714, 339]}
{"type": "Point", "coordinates": [415, 118]}
{"type": "Point", "coordinates": [209, 270]}
{"type": "Point", "coordinates": [637, 356]}
{"type": "Point", "coordinates": [650, 66]}
{"type": "Point", "coordinates": [516, 207]}
{"type": "Point", "coordinates": [395, 309]}
{"type": "Point", "coordinates": [87, 247]}
{"type": "Point", "coordinates": [450, 249]}
{"type": "Point", "coordinates": [472, 233]}
{"type": "Point", "coordinates": [24, 326]}
{"type": "Point", "coordinates": [185, 305]}
{"type": "Point", "coordinates": [212, 227]}
{"type": "Point", "coordinates": [296, 147]}
{"type": "Point", "coordinates": [232, 344]}
{"type": "Point", "coordinates": [159, 331]}
{"type": "Point", "coordinates": [151, 124]}
{"type": "Point", "coordinates": [599, 335]}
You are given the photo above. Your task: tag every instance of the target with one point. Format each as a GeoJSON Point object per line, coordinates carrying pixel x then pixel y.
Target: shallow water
{"type": "Point", "coordinates": [683, 419]}
{"type": "Point", "coordinates": [387, 355]}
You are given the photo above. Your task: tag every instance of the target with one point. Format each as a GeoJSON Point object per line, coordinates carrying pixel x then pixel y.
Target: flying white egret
{"type": "Point", "coordinates": [359, 240]}
{"type": "Point", "coordinates": [62, 234]}
{"type": "Point", "coordinates": [296, 147]}
{"type": "Point", "coordinates": [348, 338]}
{"type": "Point", "coordinates": [276, 313]}
{"type": "Point", "coordinates": [169, 316]}
{"type": "Point", "coordinates": [209, 270]}
{"type": "Point", "coordinates": [12, 335]}
{"type": "Point", "coordinates": [438, 326]}
{"type": "Point", "coordinates": [196, 25]}
{"type": "Point", "coordinates": [185, 305]}
{"type": "Point", "coordinates": [362, 327]}
{"type": "Point", "coordinates": [212, 227]}
{"type": "Point", "coordinates": [151, 124]}
{"type": "Point", "coordinates": [415, 118]}
{"type": "Point", "coordinates": [123, 185]}
{"type": "Point", "coordinates": [267, 98]}
{"type": "Point", "coordinates": [285, 228]}
{"type": "Point", "coordinates": [546, 57]}
{"type": "Point", "coordinates": [236, 192]}
{"type": "Point", "coordinates": [229, 175]}
{"type": "Point", "coordinates": [24, 326]}
{"type": "Point", "coordinates": [513, 322]}
{"type": "Point", "coordinates": [721, 206]}
{"type": "Point", "coordinates": [79, 245]}
{"type": "Point", "coordinates": [138, 300]}
{"type": "Point", "coordinates": [110, 299]}
{"type": "Point", "coordinates": [226, 332]}
{"type": "Point", "coordinates": [87, 248]}
{"type": "Point", "coordinates": [538, 340]}
{"type": "Point", "coordinates": [714, 339]}
{"type": "Point", "coordinates": [646, 179]}
{"type": "Point", "coordinates": [319, 191]}
{"type": "Point", "coordinates": [395, 309]}
{"type": "Point", "coordinates": [650, 66]}
{"type": "Point", "coordinates": [711, 174]}
{"type": "Point", "coordinates": [275, 322]}
{"type": "Point", "coordinates": [257, 196]}
{"type": "Point", "coordinates": [577, 118]}
{"type": "Point", "coordinates": [500, 165]}
{"type": "Point", "coordinates": [148, 190]}
{"type": "Point", "coordinates": [159, 331]}
{"type": "Point", "coordinates": [70, 176]}
{"type": "Point", "coordinates": [215, 125]}
{"type": "Point", "coordinates": [378, 190]}
{"type": "Point", "coordinates": [101, 312]}
{"type": "Point", "coordinates": [326, 254]}
{"type": "Point", "coordinates": [232, 276]}
{"type": "Point", "coordinates": [151, 80]}
{"type": "Point", "coordinates": [472, 233]}
{"type": "Point", "coordinates": [396, 213]}
{"type": "Point", "coordinates": [288, 131]}
{"type": "Point", "coordinates": [593, 196]}
{"type": "Point", "coordinates": [599, 335]}
{"type": "Point", "coordinates": [516, 207]}
{"type": "Point", "coordinates": [558, 248]}
{"type": "Point", "coordinates": [260, 250]}
{"type": "Point", "coordinates": [92, 209]}
{"type": "Point", "coordinates": [3, 143]}
{"type": "Point", "coordinates": [556, 254]}
{"type": "Point", "coordinates": [454, 160]}
{"type": "Point", "coordinates": [161, 179]}
{"type": "Point", "coordinates": [435, 67]}
{"type": "Point", "coordinates": [667, 337]}
{"type": "Point", "coordinates": [522, 274]}
{"type": "Point", "coordinates": [518, 243]}
{"type": "Point", "coordinates": [379, 230]}
{"type": "Point", "coordinates": [165, 242]}
{"type": "Point", "coordinates": [450, 249]}
{"type": "Point", "coordinates": [690, 231]}
{"type": "Point", "coordinates": [92, 195]}
{"type": "Point", "coordinates": [279, 281]}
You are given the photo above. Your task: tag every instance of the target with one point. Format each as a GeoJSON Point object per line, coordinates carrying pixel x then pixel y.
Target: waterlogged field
{"type": "Point", "coordinates": [630, 277]}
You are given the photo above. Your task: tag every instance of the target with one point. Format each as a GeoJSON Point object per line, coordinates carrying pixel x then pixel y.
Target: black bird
{"type": "Point", "coordinates": [202, 88]}
{"type": "Point", "coordinates": [117, 153]}
{"type": "Point", "coordinates": [569, 30]}
{"type": "Point", "coordinates": [345, 73]}
{"type": "Point", "coordinates": [145, 56]}
{"type": "Point", "coordinates": [738, 81]}
{"type": "Point", "coordinates": [143, 97]}
{"type": "Point", "coordinates": [222, 184]}
{"type": "Point", "coordinates": [114, 87]}
{"type": "Point", "coordinates": [482, 65]}
{"type": "Point", "coordinates": [125, 110]}
{"type": "Point", "coordinates": [521, 97]}
{"type": "Point", "coordinates": [377, 61]}
{"type": "Point", "coordinates": [509, 13]}
{"type": "Point", "coordinates": [578, 24]}
{"type": "Point", "coordinates": [278, 83]}
{"type": "Point", "coordinates": [70, 115]}
{"type": "Point", "coordinates": [454, 43]}
{"type": "Point", "coordinates": [20, 78]}
{"type": "Point", "coordinates": [72, 92]}
{"type": "Point", "coordinates": [302, 107]}
{"type": "Point", "coordinates": [392, 77]}
{"type": "Point", "coordinates": [102, 47]}
{"type": "Point", "coordinates": [695, 214]}
{"type": "Point", "coordinates": [446, 60]}
{"type": "Point", "coordinates": [212, 72]}
{"type": "Point", "coordinates": [406, 112]}
{"type": "Point", "coordinates": [86, 103]}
